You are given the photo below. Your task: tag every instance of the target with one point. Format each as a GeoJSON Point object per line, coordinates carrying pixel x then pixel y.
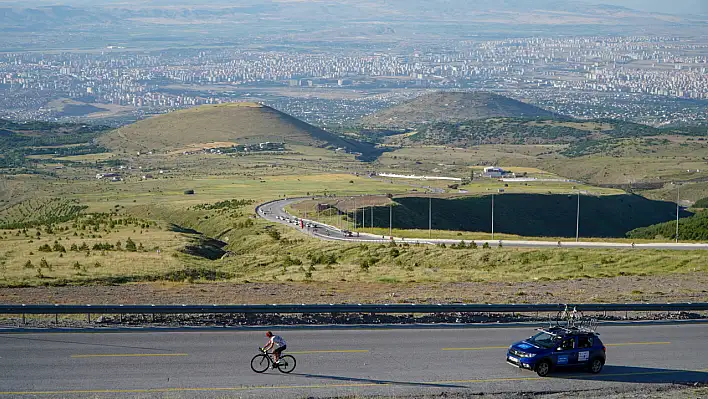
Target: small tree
{"type": "Point", "coordinates": [29, 265]}
{"type": "Point", "coordinates": [130, 245]}
{"type": "Point", "coordinates": [43, 263]}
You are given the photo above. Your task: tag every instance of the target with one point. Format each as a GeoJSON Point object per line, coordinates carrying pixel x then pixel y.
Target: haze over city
{"type": "Point", "coordinates": [319, 198]}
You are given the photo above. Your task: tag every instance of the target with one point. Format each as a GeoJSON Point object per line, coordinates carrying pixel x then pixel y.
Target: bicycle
{"type": "Point", "coordinates": [264, 360]}
{"type": "Point", "coordinates": [570, 317]}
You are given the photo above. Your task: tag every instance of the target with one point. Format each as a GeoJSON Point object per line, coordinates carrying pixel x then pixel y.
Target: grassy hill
{"type": "Point", "coordinates": [452, 107]}
{"type": "Point", "coordinates": [534, 215]}
{"type": "Point", "coordinates": [586, 137]}
{"type": "Point", "coordinates": [18, 140]}
{"type": "Point", "coordinates": [242, 123]}
{"type": "Point", "coordinates": [690, 228]}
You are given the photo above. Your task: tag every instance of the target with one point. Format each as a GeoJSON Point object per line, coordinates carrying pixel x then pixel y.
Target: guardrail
{"type": "Point", "coordinates": [344, 308]}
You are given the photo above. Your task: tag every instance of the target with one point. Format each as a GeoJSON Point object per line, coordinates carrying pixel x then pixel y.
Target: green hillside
{"type": "Point", "coordinates": [18, 140]}
{"type": "Point", "coordinates": [585, 137]}
{"type": "Point", "coordinates": [694, 228]}
{"type": "Point", "coordinates": [240, 123]}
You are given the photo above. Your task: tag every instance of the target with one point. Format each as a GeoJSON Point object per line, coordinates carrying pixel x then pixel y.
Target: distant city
{"type": "Point", "coordinates": [653, 80]}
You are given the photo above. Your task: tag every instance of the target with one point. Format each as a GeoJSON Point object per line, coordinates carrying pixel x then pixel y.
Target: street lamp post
{"type": "Point", "coordinates": [678, 207]}
{"type": "Point", "coordinates": [577, 221]}
{"type": "Point", "coordinates": [430, 216]}
{"type": "Point", "coordinates": [390, 220]}
{"type": "Point", "coordinates": [371, 211]}
{"type": "Point", "coordinates": [492, 216]}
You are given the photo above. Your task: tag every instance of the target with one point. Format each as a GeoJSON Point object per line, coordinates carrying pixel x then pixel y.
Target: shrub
{"type": "Point", "coordinates": [58, 247]}
{"type": "Point", "coordinates": [45, 248]}
{"type": "Point", "coordinates": [291, 261]}
{"type": "Point", "coordinates": [394, 252]}
{"type": "Point", "coordinates": [77, 266]}
{"type": "Point", "coordinates": [486, 245]}
{"type": "Point", "coordinates": [130, 245]}
{"type": "Point", "coordinates": [29, 265]}
{"type": "Point", "coordinates": [274, 234]}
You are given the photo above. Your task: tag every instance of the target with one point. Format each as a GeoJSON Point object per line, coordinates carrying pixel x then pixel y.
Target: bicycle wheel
{"type": "Point", "coordinates": [260, 363]}
{"type": "Point", "coordinates": [287, 364]}
{"type": "Point", "coordinates": [560, 317]}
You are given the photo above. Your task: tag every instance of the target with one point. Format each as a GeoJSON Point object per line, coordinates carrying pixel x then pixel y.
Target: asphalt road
{"type": "Point", "coordinates": [275, 212]}
{"type": "Point", "coordinates": [330, 362]}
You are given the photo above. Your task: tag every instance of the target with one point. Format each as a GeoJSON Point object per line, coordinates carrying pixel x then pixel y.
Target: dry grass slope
{"type": "Point", "coordinates": [453, 107]}
{"type": "Point", "coordinates": [233, 122]}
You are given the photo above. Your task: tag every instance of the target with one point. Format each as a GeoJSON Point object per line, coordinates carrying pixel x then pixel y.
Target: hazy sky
{"type": "Point", "coordinates": [665, 6]}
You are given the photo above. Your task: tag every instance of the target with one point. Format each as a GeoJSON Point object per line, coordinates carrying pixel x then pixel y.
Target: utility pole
{"type": "Point", "coordinates": [577, 221]}
{"type": "Point", "coordinates": [390, 220]}
{"type": "Point", "coordinates": [354, 215]}
{"type": "Point", "coordinates": [678, 207]}
{"type": "Point", "coordinates": [363, 217]}
{"type": "Point", "coordinates": [430, 216]}
{"type": "Point", "coordinates": [371, 211]}
{"type": "Point", "coordinates": [492, 216]}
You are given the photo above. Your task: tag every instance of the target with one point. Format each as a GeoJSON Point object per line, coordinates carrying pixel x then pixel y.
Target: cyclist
{"type": "Point", "coordinates": [273, 341]}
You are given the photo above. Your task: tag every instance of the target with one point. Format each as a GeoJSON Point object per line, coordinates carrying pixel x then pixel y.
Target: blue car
{"type": "Point", "coordinates": [558, 347]}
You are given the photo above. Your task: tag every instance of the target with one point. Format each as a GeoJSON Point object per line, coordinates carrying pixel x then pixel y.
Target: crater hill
{"type": "Point", "coordinates": [240, 123]}
{"type": "Point", "coordinates": [452, 107]}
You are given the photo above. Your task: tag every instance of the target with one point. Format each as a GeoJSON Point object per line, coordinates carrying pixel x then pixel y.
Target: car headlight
{"type": "Point", "coordinates": [527, 355]}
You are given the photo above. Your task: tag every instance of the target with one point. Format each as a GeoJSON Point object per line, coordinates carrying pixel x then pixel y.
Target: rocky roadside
{"type": "Point", "coordinates": [252, 320]}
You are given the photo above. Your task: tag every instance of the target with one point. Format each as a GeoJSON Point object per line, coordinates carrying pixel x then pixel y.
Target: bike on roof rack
{"type": "Point", "coordinates": [574, 319]}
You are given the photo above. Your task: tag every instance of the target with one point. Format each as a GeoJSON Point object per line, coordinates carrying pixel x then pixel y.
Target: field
{"type": "Point", "coordinates": [193, 236]}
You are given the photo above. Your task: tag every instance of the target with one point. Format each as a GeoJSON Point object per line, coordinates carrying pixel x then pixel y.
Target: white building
{"type": "Point", "coordinates": [493, 171]}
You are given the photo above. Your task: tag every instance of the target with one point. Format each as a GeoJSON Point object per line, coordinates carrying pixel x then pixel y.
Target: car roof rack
{"type": "Point", "coordinates": [588, 326]}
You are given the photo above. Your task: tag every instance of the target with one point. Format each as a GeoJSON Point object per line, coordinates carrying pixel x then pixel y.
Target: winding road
{"type": "Point", "coordinates": [330, 362]}
{"type": "Point", "coordinates": [274, 211]}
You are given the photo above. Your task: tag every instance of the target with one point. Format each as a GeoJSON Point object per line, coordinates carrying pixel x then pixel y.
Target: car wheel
{"type": "Point", "coordinates": [596, 365]}
{"type": "Point", "coordinates": [543, 368]}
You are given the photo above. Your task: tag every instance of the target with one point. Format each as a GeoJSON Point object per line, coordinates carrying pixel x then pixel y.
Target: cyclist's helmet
{"type": "Point", "coordinates": [269, 334]}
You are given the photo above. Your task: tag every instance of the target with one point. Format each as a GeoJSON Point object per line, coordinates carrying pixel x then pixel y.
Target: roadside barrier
{"type": "Point", "coordinates": [89, 310]}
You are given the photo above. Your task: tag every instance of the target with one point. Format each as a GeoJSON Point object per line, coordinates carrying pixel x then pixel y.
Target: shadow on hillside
{"type": "Point", "coordinates": [534, 215]}
{"type": "Point", "coordinates": [184, 230]}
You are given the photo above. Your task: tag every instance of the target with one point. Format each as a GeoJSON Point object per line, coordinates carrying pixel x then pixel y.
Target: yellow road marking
{"type": "Point", "coordinates": [481, 348]}
{"type": "Point", "coordinates": [328, 351]}
{"type": "Point", "coordinates": [639, 343]}
{"type": "Point", "coordinates": [129, 355]}
{"type": "Point", "coordinates": [324, 386]}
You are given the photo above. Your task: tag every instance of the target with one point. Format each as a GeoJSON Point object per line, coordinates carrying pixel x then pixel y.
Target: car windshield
{"type": "Point", "coordinates": [543, 340]}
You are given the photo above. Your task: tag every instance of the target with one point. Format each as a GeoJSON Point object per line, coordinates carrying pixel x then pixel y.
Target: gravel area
{"type": "Point", "coordinates": [697, 391]}
{"type": "Point", "coordinates": [691, 287]}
